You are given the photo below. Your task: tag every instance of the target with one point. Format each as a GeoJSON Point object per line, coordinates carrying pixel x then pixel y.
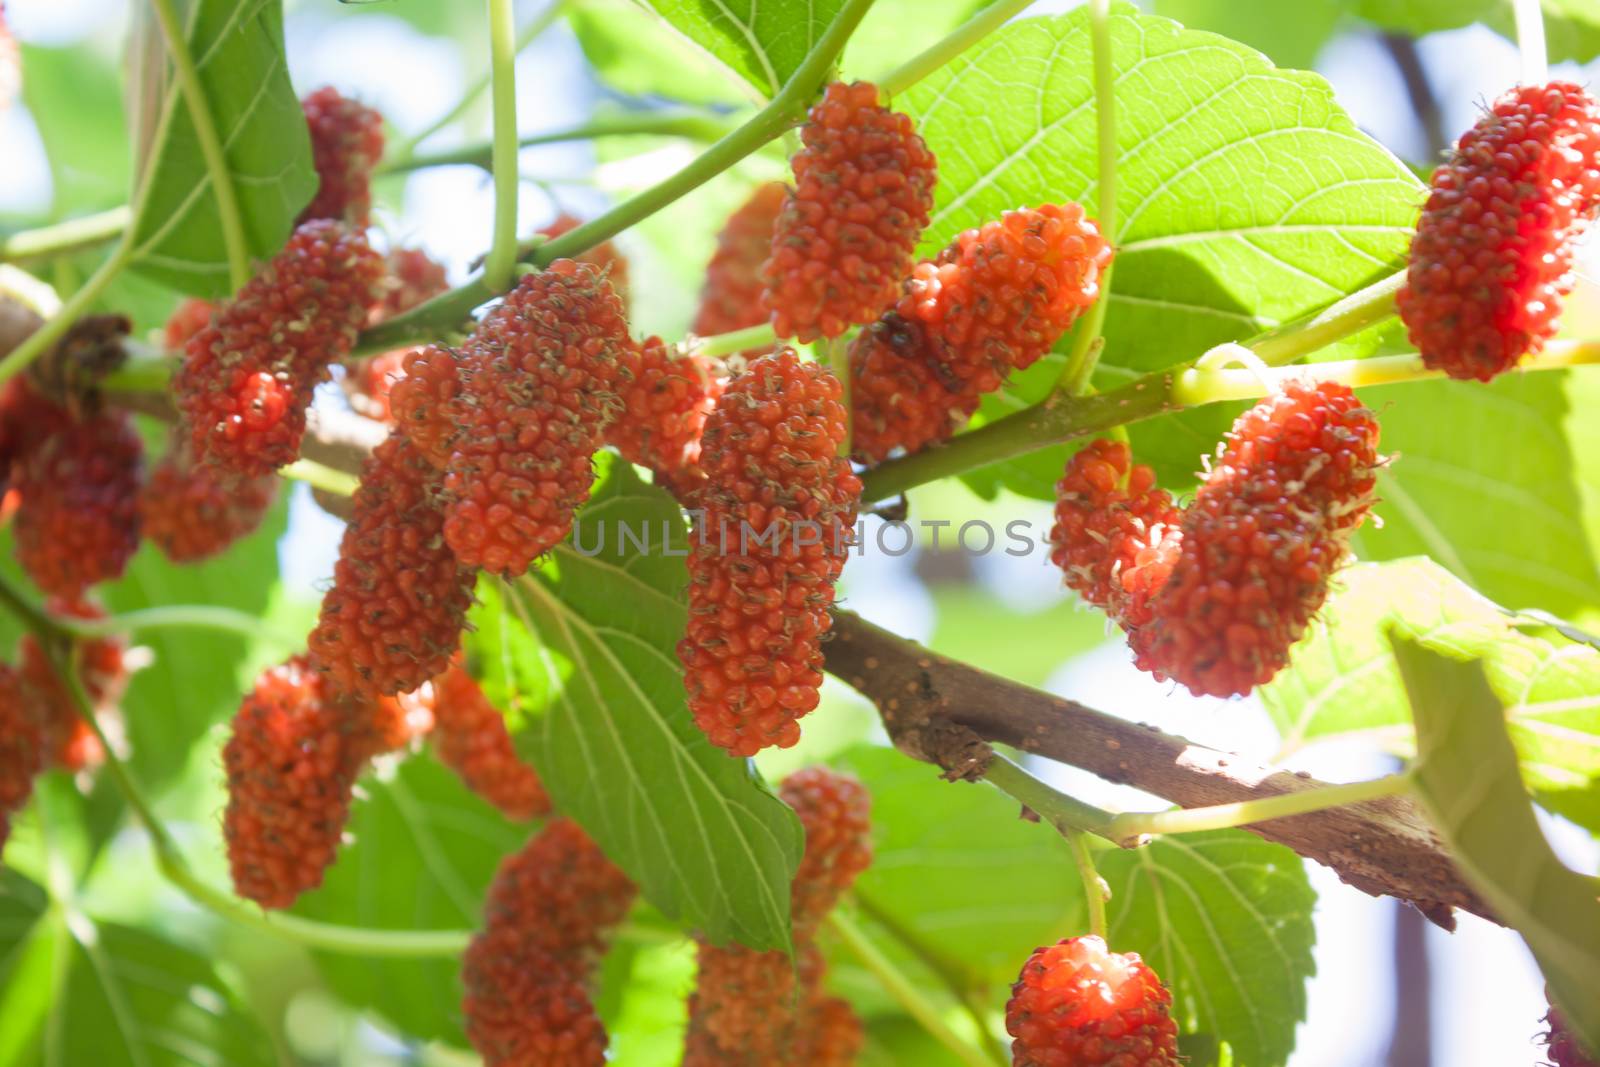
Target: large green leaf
{"type": "Point", "coordinates": [74, 991]}
{"type": "Point", "coordinates": [1246, 196]}
{"type": "Point", "coordinates": [1467, 780]}
{"type": "Point", "coordinates": [764, 41]}
{"type": "Point", "coordinates": [76, 99]}
{"type": "Point", "coordinates": [1572, 27]}
{"type": "Point", "coordinates": [583, 654]}
{"type": "Point", "coordinates": [1225, 919]}
{"type": "Point", "coordinates": [1343, 679]}
{"type": "Point", "coordinates": [422, 854]}
{"type": "Point", "coordinates": [1291, 34]}
{"type": "Point", "coordinates": [177, 238]}
{"type": "Point", "coordinates": [633, 50]}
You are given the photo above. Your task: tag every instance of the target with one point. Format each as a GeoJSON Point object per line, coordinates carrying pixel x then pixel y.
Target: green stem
{"type": "Point", "coordinates": [39, 623]}
{"type": "Point", "coordinates": [166, 616]}
{"type": "Point", "coordinates": [320, 476]}
{"type": "Point", "coordinates": [537, 25]}
{"type": "Point", "coordinates": [949, 47]}
{"type": "Point", "coordinates": [1067, 814]}
{"type": "Point", "coordinates": [1335, 322]}
{"type": "Point", "coordinates": [837, 352]}
{"type": "Point", "coordinates": [450, 308]}
{"type": "Point", "coordinates": [907, 995]}
{"type": "Point", "coordinates": [726, 344]}
{"type": "Point", "coordinates": [666, 124]}
{"type": "Point", "coordinates": [205, 131]}
{"type": "Point", "coordinates": [503, 66]}
{"type": "Point", "coordinates": [63, 238]}
{"type": "Point", "coordinates": [146, 370]}
{"type": "Point", "coordinates": [40, 341]}
{"type": "Point", "coordinates": [1529, 18]}
{"type": "Point", "coordinates": [1133, 826]}
{"type": "Point", "coordinates": [1095, 890]}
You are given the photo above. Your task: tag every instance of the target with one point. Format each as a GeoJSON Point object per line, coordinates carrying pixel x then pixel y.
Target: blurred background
{"type": "Point", "coordinates": [1390, 989]}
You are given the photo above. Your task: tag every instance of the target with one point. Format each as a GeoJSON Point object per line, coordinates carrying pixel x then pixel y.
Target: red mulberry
{"type": "Point", "coordinates": [664, 409]}
{"type": "Point", "coordinates": [192, 512]}
{"type": "Point", "coordinates": [188, 319]}
{"type": "Point", "coordinates": [995, 300]}
{"type": "Point", "coordinates": [779, 505]}
{"type": "Point", "coordinates": [78, 523]}
{"type": "Point", "coordinates": [539, 386]}
{"type": "Point", "coordinates": [527, 975]}
{"type": "Point", "coordinates": [69, 742]}
{"type": "Point", "coordinates": [731, 297]}
{"type": "Point", "coordinates": [603, 257]}
{"type": "Point", "coordinates": [845, 238]}
{"type": "Point", "coordinates": [471, 739]}
{"type": "Point", "coordinates": [21, 749]}
{"type": "Point", "coordinates": [1492, 256]}
{"type": "Point", "coordinates": [393, 616]}
{"type": "Point", "coordinates": [394, 722]}
{"type": "Point", "coordinates": [292, 764]}
{"type": "Point", "coordinates": [346, 143]}
{"type": "Point", "coordinates": [422, 402]}
{"type": "Point", "coordinates": [27, 420]}
{"type": "Point", "coordinates": [248, 375]}
{"type": "Point", "coordinates": [1258, 544]}
{"type": "Point", "coordinates": [1076, 1004]}
{"type": "Point", "coordinates": [836, 812]}
{"type": "Point", "coordinates": [1107, 511]}
{"type": "Point", "coordinates": [1563, 1048]}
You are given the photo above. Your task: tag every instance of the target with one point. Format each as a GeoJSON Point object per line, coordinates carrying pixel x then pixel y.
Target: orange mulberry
{"type": "Point", "coordinates": [604, 257]}
{"type": "Point", "coordinates": [346, 143]}
{"type": "Point", "coordinates": [421, 402]}
{"type": "Point", "coordinates": [836, 811]}
{"type": "Point", "coordinates": [413, 278]}
{"type": "Point", "coordinates": [1108, 509]}
{"type": "Point", "coordinates": [1492, 257]}
{"type": "Point", "coordinates": [847, 233]}
{"type": "Point", "coordinates": [539, 384]}
{"type": "Point", "coordinates": [21, 749]}
{"type": "Point", "coordinates": [247, 377]}
{"type": "Point", "coordinates": [1077, 1004]}
{"type": "Point", "coordinates": [664, 410]}
{"type": "Point", "coordinates": [393, 617]}
{"type": "Point", "coordinates": [471, 739]}
{"type": "Point", "coordinates": [731, 297]}
{"type": "Point", "coordinates": [778, 507]}
{"type": "Point", "coordinates": [192, 512]}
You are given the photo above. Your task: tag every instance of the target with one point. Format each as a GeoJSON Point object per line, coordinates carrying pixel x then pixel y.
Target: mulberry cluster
{"type": "Point", "coordinates": [664, 410]}
{"type": "Point", "coordinates": [192, 512]}
{"type": "Point", "coordinates": [539, 384]}
{"type": "Point", "coordinates": [21, 749]}
{"type": "Point", "coordinates": [248, 376]}
{"type": "Point", "coordinates": [753, 1007]}
{"type": "Point", "coordinates": [527, 975]}
{"type": "Point", "coordinates": [292, 763]}
{"type": "Point", "coordinates": [1563, 1048]}
{"type": "Point", "coordinates": [1108, 513]}
{"type": "Point", "coordinates": [603, 257]}
{"type": "Point", "coordinates": [995, 300]}
{"type": "Point", "coordinates": [1492, 256]}
{"type": "Point", "coordinates": [470, 738]}
{"type": "Point", "coordinates": [346, 143]}
{"type": "Point", "coordinates": [1077, 1004]}
{"type": "Point", "coordinates": [778, 507]}
{"type": "Point", "coordinates": [78, 523]}
{"type": "Point", "coordinates": [731, 297]}
{"type": "Point", "coordinates": [187, 319]}
{"type": "Point", "coordinates": [846, 235]}
{"type": "Point", "coordinates": [393, 617]}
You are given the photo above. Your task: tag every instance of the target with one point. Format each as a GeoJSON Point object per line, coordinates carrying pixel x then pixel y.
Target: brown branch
{"type": "Point", "coordinates": [1384, 847]}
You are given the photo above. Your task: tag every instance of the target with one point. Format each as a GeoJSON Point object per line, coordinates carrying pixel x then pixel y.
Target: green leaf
{"type": "Point", "coordinates": [1225, 919]}
{"type": "Point", "coordinates": [583, 654]}
{"type": "Point", "coordinates": [895, 30]}
{"type": "Point", "coordinates": [1291, 34]}
{"type": "Point", "coordinates": [1343, 678]}
{"type": "Point", "coordinates": [1572, 27]}
{"type": "Point", "coordinates": [75, 991]}
{"type": "Point", "coordinates": [1247, 197]}
{"type": "Point", "coordinates": [763, 41]}
{"type": "Point", "coordinates": [177, 235]}
{"type": "Point", "coordinates": [423, 852]}
{"type": "Point", "coordinates": [76, 97]}
{"type": "Point", "coordinates": [1467, 780]}
{"type": "Point", "coordinates": [635, 52]}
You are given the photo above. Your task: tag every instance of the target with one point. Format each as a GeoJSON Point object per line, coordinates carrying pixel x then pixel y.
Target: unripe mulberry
{"type": "Point", "coordinates": [731, 297]}
{"type": "Point", "coordinates": [836, 811]}
{"type": "Point", "coordinates": [188, 318]}
{"type": "Point", "coordinates": [527, 976]}
{"type": "Point", "coordinates": [21, 749]}
{"type": "Point", "coordinates": [539, 384]}
{"type": "Point", "coordinates": [1259, 543]}
{"type": "Point", "coordinates": [78, 523]}
{"type": "Point", "coordinates": [1563, 1048]}
{"type": "Point", "coordinates": [392, 618]}
{"type": "Point", "coordinates": [779, 505]}
{"type": "Point", "coordinates": [1108, 510]}
{"type": "Point", "coordinates": [664, 409]}
{"type": "Point", "coordinates": [248, 376]}
{"type": "Point", "coordinates": [421, 402]}
{"type": "Point", "coordinates": [192, 512]}
{"type": "Point", "coordinates": [994, 301]}
{"type": "Point", "coordinates": [1077, 1004]}
{"type": "Point", "coordinates": [346, 143]}
{"type": "Point", "coordinates": [847, 233]}
{"type": "Point", "coordinates": [292, 764]}
{"type": "Point", "coordinates": [471, 739]}
{"type": "Point", "coordinates": [68, 741]}
{"type": "Point", "coordinates": [603, 257]}
{"type": "Point", "coordinates": [1492, 256]}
